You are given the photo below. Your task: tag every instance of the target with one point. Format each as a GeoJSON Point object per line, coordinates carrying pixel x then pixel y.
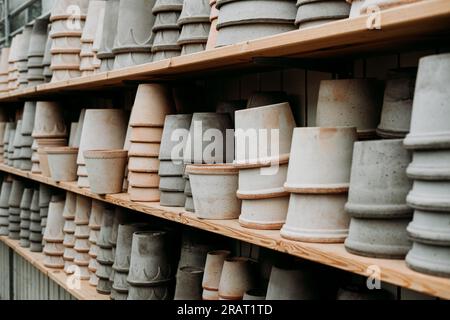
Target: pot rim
{"type": "Point", "coordinates": [61, 150]}
{"type": "Point", "coordinates": [105, 153]}
{"type": "Point", "coordinates": [261, 162]}
{"type": "Point", "coordinates": [332, 188]}
{"type": "Point", "coordinates": [212, 169]}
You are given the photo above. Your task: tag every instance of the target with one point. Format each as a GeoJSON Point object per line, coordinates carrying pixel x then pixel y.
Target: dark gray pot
{"type": "Point", "coordinates": [105, 230]}
{"type": "Point", "coordinates": [34, 206]}
{"type": "Point", "coordinates": [35, 246]}
{"type": "Point", "coordinates": [120, 283]}
{"type": "Point", "coordinates": [29, 111]}
{"type": "Point", "coordinates": [161, 292]}
{"type": "Point", "coordinates": [27, 196]}
{"type": "Point", "coordinates": [189, 283]}
{"type": "Point", "coordinates": [255, 294]}
{"type": "Point", "coordinates": [167, 168]}
{"type": "Point", "coordinates": [166, 21]}
{"type": "Point", "coordinates": [194, 11]}
{"type": "Point", "coordinates": [5, 193]}
{"type": "Point", "coordinates": [38, 38]}
{"type": "Point", "coordinates": [45, 193]}
{"type": "Point", "coordinates": [117, 295]}
{"type": "Point", "coordinates": [103, 286]}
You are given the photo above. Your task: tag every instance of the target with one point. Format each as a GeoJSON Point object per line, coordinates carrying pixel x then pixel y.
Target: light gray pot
{"type": "Point", "coordinates": [120, 283]}
{"type": "Point", "coordinates": [107, 64]}
{"type": "Point", "coordinates": [172, 199]}
{"type": "Point", "coordinates": [35, 201]}
{"type": "Point", "coordinates": [166, 21]}
{"type": "Point", "coordinates": [172, 184]}
{"type": "Point", "coordinates": [397, 103]}
{"type": "Point", "coordinates": [123, 249]}
{"type": "Point", "coordinates": [172, 123]}
{"type": "Point", "coordinates": [24, 43]}
{"type": "Point", "coordinates": [105, 231]}
{"type": "Point", "coordinates": [161, 55]}
{"type": "Point", "coordinates": [166, 40]}
{"type": "Point", "coordinates": [167, 5]}
{"type": "Point", "coordinates": [117, 295]}
{"type": "Point", "coordinates": [189, 283]}
{"type": "Point", "coordinates": [192, 48]}
{"type": "Point", "coordinates": [35, 246]}
{"type": "Point", "coordinates": [189, 204]}
{"type": "Point", "coordinates": [194, 11]}
{"type": "Point", "coordinates": [109, 32]}
{"type": "Point", "coordinates": [378, 238]}
{"type": "Point", "coordinates": [378, 184]}
{"type": "Point", "coordinates": [430, 195]}
{"type": "Point", "coordinates": [429, 259]}
{"type": "Point", "coordinates": [313, 12]}
{"type": "Point", "coordinates": [15, 196]}
{"type": "Point", "coordinates": [38, 38]}
{"type": "Point", "coordinates": [430, 125]}
{"type": "Point", "coordinates": [128, 59]}
{"type": "Point", "coordinates": [194, 33]}
{"type": "Point", "coordinates": [83, 209]}
{"type": "Point", "coordinates": [5, 194]}
{"type": "Point", "coordinates": [29, 111]}
{"type": "Point", "coordinates": [27, 196]}
{"type": "Point", "coordinates": [45, 193]}
{"type": "Point", "coordinates": [430, 165]}
{"type": "Point", "coordinates": [150, 262]}
{"type": "Point", "coordinates": [160, 292]}
{"type": "Point", "coordinates": [120, 217]}
{"type": "Point", "coordinates": [430, 227]}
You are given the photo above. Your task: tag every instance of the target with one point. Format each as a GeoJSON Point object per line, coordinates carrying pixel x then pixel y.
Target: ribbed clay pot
{"type": "Point", "coordinates": [430, 195]}
{"type": "Point", "coordinates": [214, 191]}
{"type": "Point", "coordinates": [62, 163]}
{"type": "Point", "coordinates": [24, 43]}
{"type": "Point", "coordinates": [43, 162]}
{"type": "Point", "coordinates": [172, 183]}
{"type": "Point", "coordinates": [189, 283]}
{"type": "Point", "coordinates": [62, 9]}
{"type": "Point", "coordinates": [237, 277]}
{"type": "Point", "coordinates": [212, 273]}
{"type": "Point", "coordinates": [38, 39]}
{"type": "Point", "coordinates": [49, 122]}
{"type": "Point", "coordinates": [143, 164]}
{"type": "Point", "coordinates": [350, 102]}
{"type": "Point", "coordinates": [429, 259]}
{"type": "Point", "coordinates": [102, 129]}
{"type": "Point", "coordinates": [194, 33]}
{"type": "Point", "coordinates": [316, 12]}
{"type": "Point", "coordinates": [397, 103]}
{"type": "Point", "coordinates": [105, 170]}
{"type": "Point", "coordinates": [55, 223]}
{"type": "Point", "coordinates": [378, 238]}
{"type": "Point", "coordinates": [430, 127]}
{"type": "Point", "coordinates": [196, 150]}
{"type": "Point", "coordinates": [5, 194]}
{"type": "Point", "coordinates": [378, 184]}
{"type": "Point", "coordinates": [106, 229]}
{"type": "Point", "coordinates": [96, 216]}
{"type": "Point", "coordinates": [176, 128]}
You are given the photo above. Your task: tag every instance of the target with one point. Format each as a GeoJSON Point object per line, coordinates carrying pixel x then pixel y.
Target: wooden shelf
{"type": "Point", "coordinates": [85, 292]}
{"type": "Point", "coordinates": [335, 255]}
{"type": "Point", "coordinates": [422, 23]}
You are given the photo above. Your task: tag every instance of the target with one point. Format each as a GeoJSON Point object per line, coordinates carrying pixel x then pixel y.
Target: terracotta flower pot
{"type": "Point", "coordinates": [123, 249]}
{"type": "Point", "coordinates": [237, 277]}
{"type": "Point", "coordinates": [312, 12]}
{"type": "Point", "coordinates": [55, 223]}
{"type": "Point", "coordinates": [397, 104]}
{"type": "Point", "coordinates": [214, 191]}
{"type": "Point", "coordinates": [101, 164]}
{"type": "Point", "coordinates": [144, 180]}
{"type": "Point", "coordinates": [429, 126]}
{"type": "Point", "coordinates": [350, 102]}
{"type": "Point", "coordinates": [212, 273]}
{"type": "Point", "coordinates": [143, 164]}
{"type": "Point", "coordinates": [43, 162]}
{"type": "Point", "coordinates": [83, 209]}
{"type": "Point", "coordinates": [146, 134]}
{"type": "Point", "coordinates": [189, 283]}
{"type": "Point", "coordinates": [62, 163]}
{"type": "Point", "coordinates": [171, 124]}
{"type": "Point", "coordinates": [143, 194]}
{"type": "Point", "coordinates": [429, 259]}
{"type": "Point", "coordinates": [378, 238]}
{"type": "Point", "coordinates": [379, 185]}
{"type": "Point", "coordinates": [49, 122]}
{"type": "Point", "coordinates": [264, 213]}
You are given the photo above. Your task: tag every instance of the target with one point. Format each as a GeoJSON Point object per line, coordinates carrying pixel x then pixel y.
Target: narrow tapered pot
{"type": "Point", "coordinates": [212, 273]}
{"type": "Point", "coordinates": [83, 209]}
{"type": "Point", "coordinates": [55, 223]}
{"type": "Point", "coordinates": [29, 112]}
{"type": "Point", "coordinates": [189, 283]}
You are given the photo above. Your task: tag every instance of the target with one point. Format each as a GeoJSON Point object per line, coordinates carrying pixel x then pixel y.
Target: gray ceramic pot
{"type": "Point", "coordinates": [167, 5]}
{"type": "Point", "coordinates": [172, 199]}
{"type": "Point", "coordinates": [430, 165]}
{"type": "Point", "coordinates": [167, 168]}
{"type": "Point", "coordinates": [29, 111]}
{"type": "Point", "coordinates": [378, 238]}
{"type": "Point", "coordinates": [117, 295]}
{"type": "Point", "coordinates": [123, 248]}
{"type": "Point", "coordinates": [194, 11]}
{"type": "Point", "coordinates": [171, 124]}
{"type": "Point", "coordinates": [161, 55]}
{"type": "Point", "coordinates": [189, 283]}
{"type": "Point", "coordinates": [120, 283]}
{"type": "Point", "coordinates": [192, 48]}
{"type": "Point", "coordinates": [194, 33]}
{"type": "Point", "coordinates": [45, 193]}
{"type": "Point", "coordinates": [378, 183]}
{"type": "Point", "coordinates": [15, 196]}
{"type": "Point", "coordinates": [38, 38]}
{"type": "Point", "coordinates": [166, 21]}
{"type": "Point", "coordinates": [430, 195]}
{"type": "Point", "coordinates": [166, 40]}
{"type": "Point", "coordinates": [105, 231]}
{"type": "Point", "coordinates": [24, 43]}
{"type": "Point", "coordinates": [189, 204]}
{"type": "Point", "coordinates": [34, 206]}
{"type": "Point", "coordinates": [120, 217]}
{"type": "Point", "coordinates": [160, 292]}
{"type": "Point", "coordinates": [314, 12]}
{"type": "Point", "coordinates": [35, 246]}
{"type": "Point", "coordinates": [430, 227]}
{"type": "Point", "coordinates": [27, 196]}
{"type": "Point", "coordinates": [109, 31]}
{"type": "Point", "coordinates": [104, 286]}
{"type": "Point", "coordinates": [429, 259]}
{"type": "Point", "coordinates": [5, 194]}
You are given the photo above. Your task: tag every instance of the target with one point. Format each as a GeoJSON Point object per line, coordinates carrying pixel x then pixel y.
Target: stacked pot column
{"type": "Point", "coordinates": [134, 38]}
{"type": "Point", "coordinates": [262, 171]}
{"type": "Point", "coordinates": [104, 254]}
{"type": "Point", "coordinates": [312, 13]}
{"type": "Point", "coordinates": [195, 24]}
{"type": "Point", "coordinates": [36, 51]}
{"type": "Point", "coordinates": [153, 102]}
{"type": "Point", "coordinates": [102, 129]}
{"type": "Point", "coordinates": [318, 180]}
{"type": "Point", "coordinates": [95, 222]}
{"type": "Point", "coordinates": [29, 112]}
{"type": "Point", "coordinates": [54, 234]}
{"type": "Point", "coordinates": [4, 67]}
{"type": "Point", "coordinates": [171, 166]}
{"type": "Point", "coordinates": [35, 224]}
{"type": "Point", "coordinates": [13, 72]}
{"type": "Point", "coordinates": [166, 30]}
{"type": "Point", "coordinates": [49, 130]}
{"type": "Point", "coordinates": [15, 197]}
{"type": "Point", "coordinates": [22, 59]}
{"type": "Point", "coordinates": [67, 18]}
{"type": "Point", "coordinates": [429, 139]}
{"type": "Point", "coordinates": [377, 200]}
{"type": "Point", "coordinates": [108, 34]}
{"type": "Point", "coordinates": [25, 214]}
{"type": "Point", "coordinates": [95, 15]}
{"type": "Point", "coordinates": [249, 19]}
{"type": "Point", "coordinates": [81, 247]}
{"type": "Point", "coordinates": [69, 232]}
{"type": "Point", "coordinates": [4, 206]}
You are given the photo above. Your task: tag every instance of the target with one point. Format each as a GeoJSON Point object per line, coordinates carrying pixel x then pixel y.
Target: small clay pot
{"type": "Point", "coordinates": [172, 199]}
{"type": "Point", "coordinates": [49, 122]}
{"type": "Point", "coordinates": [212, 273]}
{"type": "Point", "coordinates": [83, 209]}
{"type": "Point", "coordinates": [430, 227]}
{"type": "Point", "coordinates": [146, 134]}
{"type": "Point", "coordinates": [29, 111]}
{"type": "Point", "coordinates": [62, 163]}
{"type": "Point", "coordinates": [143, 194]}
{"type": "Point", "coordinates": [189, 283]}
{"type": "Point", "coordinates": [429, 165]}
{"type": "Point", "coordinates": [143, 164]}
{"type": "Point", "coordinates": [144, 149]}
{"type": "Point", "coordinates": [55, 223]}
{"type": "Point", "coordinates": [96, 216]}
{"type": "Point", "coordinates": [103, 163]}
{"type": "Point", "coordinates": [264, 213]}
{"type": "Point", "coordinates": [237, 277]}
{"type": "Point", "coordinates": [173, 126]}
{"type": "Point", "coordinates": [54, 262]}
{"type": "Point", "coordinates": [429, 259]}
{"type": "Point", "coordinates": [194, 11]}
{"type": "Point", "coordinates": [138, 179]}
{"type": "Point", "coordinates": [172, 184]}
{"type": "Point", "coordinates": [16, 193]}
{"type": "Point", "coordinates": [160, 292]}
{"type": "Point", "coordinates": [70, 206]}
{"type": "Point", "coordinates": [64, 75]}
{"type": "Point", "coordinates": [170, 168]}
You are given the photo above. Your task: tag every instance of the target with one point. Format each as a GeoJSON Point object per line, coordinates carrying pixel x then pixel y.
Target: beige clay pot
{"type": "Point", "coordinates": [62, 163]}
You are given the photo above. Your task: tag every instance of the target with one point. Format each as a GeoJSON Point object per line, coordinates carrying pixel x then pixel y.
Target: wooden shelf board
{"type": "Point", "coordinates": [85, 292]}
{"type": "Point", "coordinates": [409, 24]}
{"type": "Point", "coordinates": [335, 255]}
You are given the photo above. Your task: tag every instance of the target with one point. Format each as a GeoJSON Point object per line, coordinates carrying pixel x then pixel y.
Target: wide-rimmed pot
{"type": "Point", "coordinates": [212, 273]}
{"type": "Point", "coordinates": [350, 102]}
{"type": "Point", "coordinates": [105, 170]}
{"type": "Point", "coordinates": [378, 238]}
{"type": "Point", "coordinates": [214, 191]}
{"type": "Point", "coordinates": [429, 259]}
{"type": "Point", "coordinates": [312, 12]}
{"type": "Point", "coordinates": [189, 283]}
{"type": "Point", "coordinates": [378, 184]}
{"type": "Point", "coordinates": [49, 122]}
{"type": "Point", "coordinates": [62, 163]}
{"type": "Point", "coordinates": [237, 277]}
{"type": "Point", "coordinates": [43, 162]}
{"type": "Point", "coordinates": [176, 128]}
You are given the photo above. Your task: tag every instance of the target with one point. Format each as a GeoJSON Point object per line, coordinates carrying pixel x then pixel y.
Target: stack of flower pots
{"type": "Point", "coordinates": [69, 231]}
{"type": "Point", "coordinates": [54, 234]}
{"type": "Point", "coordinates": [318, 179]}
{"type": "Point", "coordinates": [151, 271]}
{"type": "Point", "coordinates": [104, 254]}
{"type": "Point", "coordinates": [262, 171]}
{"type": "Point", "coordinates": [25, 214]}
{"type": "Point", "coordinates": [103, 129]}
{"type": "Point", "coordinates": [36, 52]}
{"type": "Point", "coordinates": [4, 206]}
{"type": "Point", "coordinates": [171, 165]}
{"type": "Point", "coordinates": [29, 112]}
{"type": "Point", "coordinates": [134, 38]}
{"type": "Point", "coordinates": [81, 247]}
{"type": "Point", "coordinates": [153, 102]}
{"type": "Point", "coordinates": [377, 200]}
{"type": "Point", "coordinates": [49, 130]}
{"type": "Point", "coordinates": [45, 196]}
{"type": "Point", "coordinates": [166, 29]}
{"type": "Point", "coordinates": [47, 59]}
{"type": "Point", "coordinates": [35, 224]}
{"type": "Point", "coordinates": [429, 139]}
{"type": "Point", "coordinates": [350, 102]}
{"type": "Point", "coordinates": [4, 67]}
{"type": "Point", "coordinates": [68, 18]}
{"type": "Point", "coordinates": [108, 35]}
{"type": "Point", "coordinates": [13, 72]}
{"type": "Point", "coordinates": [22, 59]}
{"type": "Point", "coordinates": [247, 20]}
{"type": "Point", "coordinates": [196, 145]}
{"type": "Point", "coordinates": [195, 24]}
{"type": "Point", "coordinates": [87, 57]}
{"type": "Point", "coordinates": [316, 12]}
{"type": "Point", "coordinates": [15, 198]}
{"type": "Point", "coordinates": [213, 17]}
{"type": "Point", "coordinates": [95, 223]}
